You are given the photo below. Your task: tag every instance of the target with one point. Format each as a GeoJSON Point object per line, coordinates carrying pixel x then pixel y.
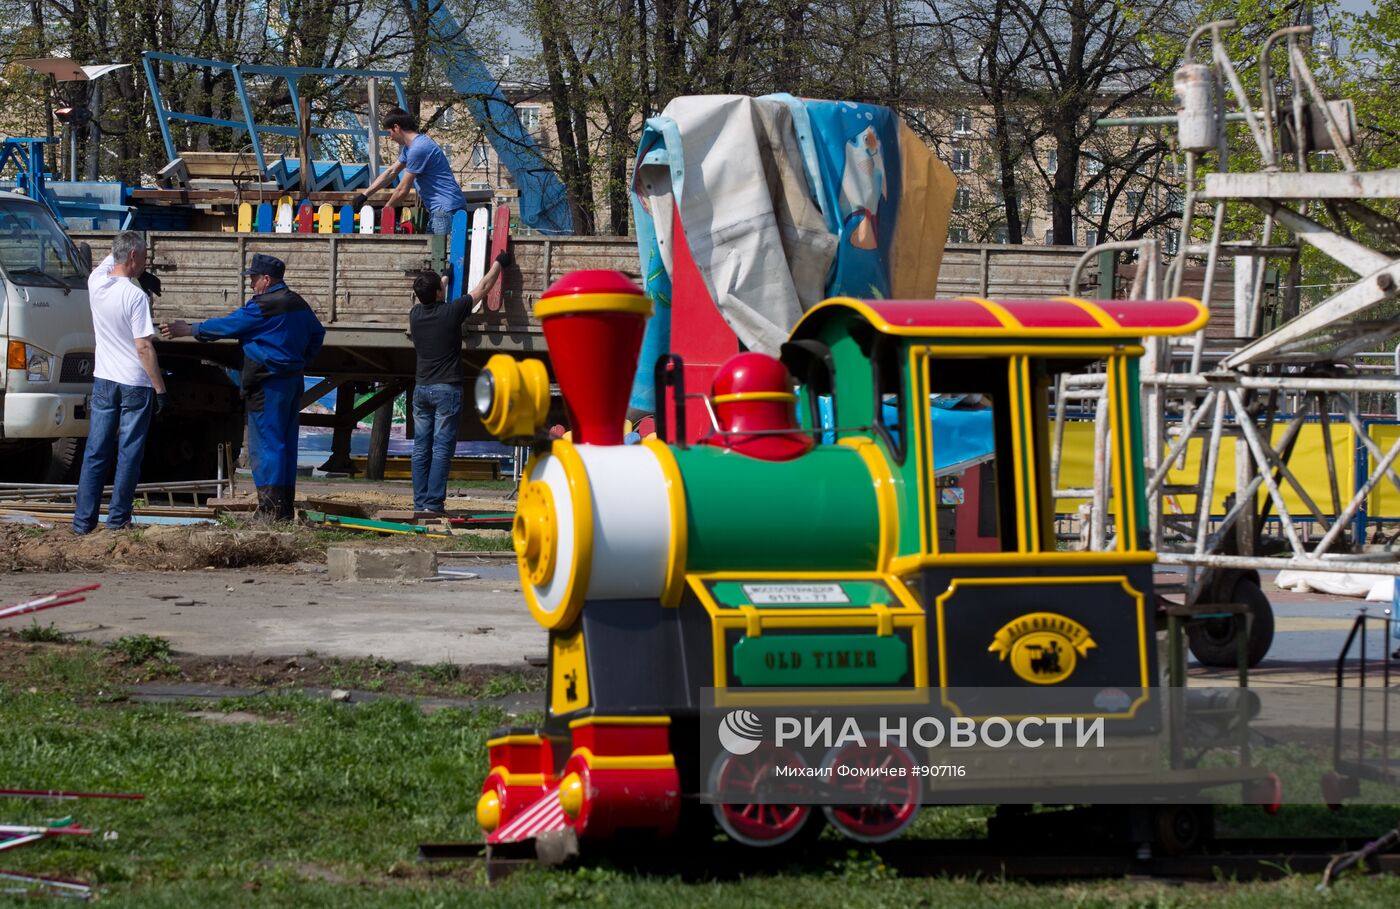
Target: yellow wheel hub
{"type": "Point", "coordinates": [535, 533]}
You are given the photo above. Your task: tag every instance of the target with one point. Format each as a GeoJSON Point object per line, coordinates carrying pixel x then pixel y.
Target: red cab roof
{"type": "Point", "coordinates": [1061, 317]}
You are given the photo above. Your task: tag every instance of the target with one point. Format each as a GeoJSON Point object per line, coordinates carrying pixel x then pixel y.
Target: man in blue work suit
{"type": "Point", "coordinates": [279, 335]}
{"type": "Point", "coordinates": [424, 167]}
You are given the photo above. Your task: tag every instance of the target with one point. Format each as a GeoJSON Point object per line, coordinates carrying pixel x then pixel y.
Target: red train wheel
{"type": "Point", "coordinates": [758, 814]}
{"type": "Point", "coordinates": [883, 789]}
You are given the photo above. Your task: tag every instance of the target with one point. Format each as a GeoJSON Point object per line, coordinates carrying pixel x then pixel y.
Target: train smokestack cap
{"type": "Point", "coordinates": [593, 323]}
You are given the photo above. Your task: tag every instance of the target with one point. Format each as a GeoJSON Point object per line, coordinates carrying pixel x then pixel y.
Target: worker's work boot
{"type": "Point", "coordinates": [267, 504]}
{"type": "Point", "coordinates": [286, 503]}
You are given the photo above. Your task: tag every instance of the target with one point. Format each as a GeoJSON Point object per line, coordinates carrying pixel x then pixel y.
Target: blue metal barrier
{"type": "Point", "coordinates": [286, 175]}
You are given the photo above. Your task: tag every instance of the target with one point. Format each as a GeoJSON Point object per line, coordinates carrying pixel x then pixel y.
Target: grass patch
{"type": "Point", "coordinates": [484, 541]}
{"type": "Point", "coordinates": [34, 633]}
{"type": "Point", "coordinates": [140, 649]}
{"type": "Point", "coordinates": [324, 807]}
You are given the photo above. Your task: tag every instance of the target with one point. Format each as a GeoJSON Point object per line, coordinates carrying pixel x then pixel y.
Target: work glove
{"type": "Point", "coordinates": [162, 403]}
{"type": "Point", "coordinates": [149, 283]}
{"type": "Point", "coordinates": [505, 258]}
{"type": "Point", "coordinates": [359, 201]}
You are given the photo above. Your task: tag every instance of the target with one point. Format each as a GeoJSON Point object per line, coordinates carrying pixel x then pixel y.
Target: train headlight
{"type": "Point", "coordinates": [571, 795]}
{"type": "Point", "coordinates": [485, 391]}
{"type": "Point", "coordinates": [512, 397]}
{"type": "Point", "coordinates": [488, 812]}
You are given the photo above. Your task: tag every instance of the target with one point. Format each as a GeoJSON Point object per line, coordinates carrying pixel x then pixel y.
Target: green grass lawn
{"type": "Point", "coordinates": [309, 804]}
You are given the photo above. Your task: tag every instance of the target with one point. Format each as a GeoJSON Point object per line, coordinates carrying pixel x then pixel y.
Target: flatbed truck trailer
{"type": "Point", "coordinates": [360, 287]}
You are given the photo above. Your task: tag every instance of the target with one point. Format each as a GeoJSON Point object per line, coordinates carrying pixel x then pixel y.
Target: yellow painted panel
{"type": "Point", "coordinates": [568, 669]}
{"type": "Point", "coordinates": [1308, 463]}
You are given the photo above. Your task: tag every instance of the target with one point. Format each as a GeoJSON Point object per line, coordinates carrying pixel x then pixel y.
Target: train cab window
{"type": "Point", "coordinates": [810, 363]}
{"type": "Point", "coordinates": [970, 434]}
{"type": "Point", "coordinates": [889, 395]}
{"type": "Point", "coordinates": [1037, 459]}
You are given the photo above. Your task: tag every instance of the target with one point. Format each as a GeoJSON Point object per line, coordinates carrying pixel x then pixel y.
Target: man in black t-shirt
{"type": "Point", "coordinates": [436, 327]}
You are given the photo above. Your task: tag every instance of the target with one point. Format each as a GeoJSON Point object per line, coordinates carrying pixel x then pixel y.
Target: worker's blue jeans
{"type": "Point", "coordinates": [437, 409]}
{"type": "Point", "coordinates": [440, 222]}
{"type": "Point", "coordinates": [272, 431]}
{"type": "Point", "coordinates": [120, 416]}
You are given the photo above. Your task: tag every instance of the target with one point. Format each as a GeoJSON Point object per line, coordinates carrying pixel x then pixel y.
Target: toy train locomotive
{"type": "Point", "coordinates": [799, 546]}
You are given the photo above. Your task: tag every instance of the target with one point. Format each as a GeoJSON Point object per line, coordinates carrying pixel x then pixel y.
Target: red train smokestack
{"type": "Point", "coordinates": [593, 323]}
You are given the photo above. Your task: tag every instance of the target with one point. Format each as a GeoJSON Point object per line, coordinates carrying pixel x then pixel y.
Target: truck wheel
{"type": "Point", "coordinates": [1212, 641]}
{"type": "Point", "coordinates": [65, 461]}
{"type": "Point", "coordinates": [24, 463]}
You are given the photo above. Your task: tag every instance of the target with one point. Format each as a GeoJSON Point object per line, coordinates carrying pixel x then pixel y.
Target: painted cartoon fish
{"type": "Point", "coordinates": [863, 186]}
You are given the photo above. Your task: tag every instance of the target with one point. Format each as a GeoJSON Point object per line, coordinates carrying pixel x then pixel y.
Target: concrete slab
{"type": "Point", "coordinates": [348, 562]}
{"type": "Point", "coordinates": [287, 613]}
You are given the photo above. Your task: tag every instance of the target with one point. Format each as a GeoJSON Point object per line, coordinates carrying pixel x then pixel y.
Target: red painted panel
{"type": "Point", "coordinates": [935, 313]}
{"type": "Point", "coordinates": [699, 334]}
{"type": "Point", "coordinates": [1151, 313]}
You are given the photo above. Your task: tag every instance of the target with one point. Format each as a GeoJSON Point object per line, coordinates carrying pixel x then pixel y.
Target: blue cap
{"type": "Point", "coordinates": [263, 264]}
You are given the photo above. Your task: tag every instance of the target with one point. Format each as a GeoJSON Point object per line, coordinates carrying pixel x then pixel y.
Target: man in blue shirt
{"type": "Point", "coordinates": [279, 335]}
{"type": "Point", "coordinates": [425, 167]}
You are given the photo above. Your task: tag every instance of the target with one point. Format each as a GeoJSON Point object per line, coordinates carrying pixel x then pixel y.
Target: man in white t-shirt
{"type": "Point", "coordinates": [127, 389]}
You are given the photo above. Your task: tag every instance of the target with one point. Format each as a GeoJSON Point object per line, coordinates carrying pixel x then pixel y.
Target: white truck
{"type": "Point", "coordinates": [46, 328]}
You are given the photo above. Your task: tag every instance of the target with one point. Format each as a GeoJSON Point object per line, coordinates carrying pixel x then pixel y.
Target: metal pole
{"type": "Point", "coordinates": [373, 129]}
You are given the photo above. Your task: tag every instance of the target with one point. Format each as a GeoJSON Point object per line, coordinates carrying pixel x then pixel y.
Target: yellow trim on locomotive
{"type": "Point", "coordinates": [515, 738]}
{"type": "Point", "coordinates": [619, 721]}
{"type": "Point", "coordinates": [734, 398]}
{"type": "Point", "coordinates": [673, 588]}
{"type": "Point", "coordinates": [1049, 559]}
{"type": "Point", "coordinates": [576, 303]}
{"type": "Point", "coordinates": [907, 614]}
{"type": "Point", "coordinates": [624, 761]}
{"type": "Point", "coordinates": [517, 779]}
{"type": "Point", "coordinates": [582, 564]}
{"type": "Point", "coordinates": [886, 498]}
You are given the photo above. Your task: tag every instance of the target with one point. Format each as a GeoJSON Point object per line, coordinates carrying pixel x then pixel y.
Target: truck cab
{"type": "Point", "coordinates": [46, 329]}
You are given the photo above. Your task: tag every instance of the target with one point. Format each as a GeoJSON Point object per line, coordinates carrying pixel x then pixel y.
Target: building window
{"type": "Point", "coordinates": [962, 199]}
{"type": "Point", "coordinates": [959, 235]}
{"type": "Point", "coordinates": [999, 234]}
{"type": "Point", "coordinates": [962, 123]}
{"type": "Point", "coordinates": [481, 155]}
{"type": "Point", "coordinates": [1050, 237]}
{"type": "Point", "coordinates": [1052, 161]}
{"type": "Point", "coordinates": [962, 160]}
{"type": "Point", "coordinates": [1092, 165]}
{"type": "Point", "coordinates": [1091, 237]}
{"type": "Point", "coordinates": [1175, 202]}
{"type": "Point", "coordinates": [529, 118]}
{"type": "Point", "coordinates": [1094, 202]}
{"type": "Point", "coordinates": [478, 186]}
{"type": "Point", "coordinates": [1173, 242]}
{"type": "Point", "coordinates": [1134, 202]}
{"type": "Point", "coordinates": [449, 117]}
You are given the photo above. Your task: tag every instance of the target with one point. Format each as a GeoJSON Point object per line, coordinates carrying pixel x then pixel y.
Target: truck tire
{"type": "Point", "coordinates": [59, 461]}
{"type": "Point", "coordinates": [1212, 641]}
{"type": "Point", "coordinates": [65, 461]}
{"type": "Point", "coordinates": [205, 410]}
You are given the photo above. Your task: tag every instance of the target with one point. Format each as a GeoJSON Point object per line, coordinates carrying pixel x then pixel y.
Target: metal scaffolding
{"type": "Point", "coordinates": [1281, 365]}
